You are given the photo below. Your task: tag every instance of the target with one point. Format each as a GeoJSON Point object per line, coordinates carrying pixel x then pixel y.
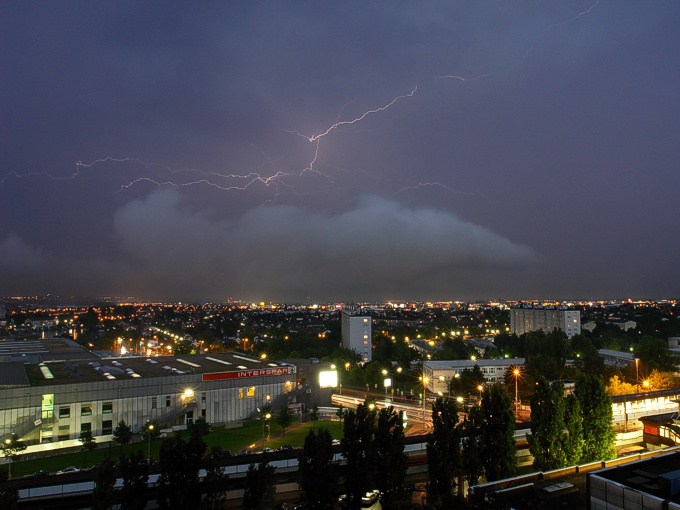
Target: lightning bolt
{"type": "Point", "coordinates": [526, 55]}
{"type": "Point", "coordinates": [337, 124]}
{"type": "Point", "coordinates": [242, 182]}
{"type": "Point", "coordinates": [552, 27]}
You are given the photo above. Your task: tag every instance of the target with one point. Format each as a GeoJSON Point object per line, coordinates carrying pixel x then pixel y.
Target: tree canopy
{"type": "Point", "coordinates": [443, 448]}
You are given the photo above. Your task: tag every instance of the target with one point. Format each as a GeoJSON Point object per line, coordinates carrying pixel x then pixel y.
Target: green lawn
{"type": "Point", "coordinates": [228, 439]}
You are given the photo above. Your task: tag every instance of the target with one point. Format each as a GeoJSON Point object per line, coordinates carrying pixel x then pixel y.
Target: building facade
{"type": "Point", "coordinates": [356, 333]}
{"type": "Point", "coordinates": [60, 401]}
{"type": "Point", "coordinates": [440, 373]}
{"type": "Point", "coordinates": [526, 318]}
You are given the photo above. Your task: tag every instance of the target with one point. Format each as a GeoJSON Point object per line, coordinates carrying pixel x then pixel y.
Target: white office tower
{"type": "Point", "coordinates": [356, 333]}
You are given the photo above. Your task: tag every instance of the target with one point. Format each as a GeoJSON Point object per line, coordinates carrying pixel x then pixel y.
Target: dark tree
{"type": "Point", "coordinates": [443, 448]}
{"type": "Point", "coordinates": [314, 416]}
{"type": "Point", "coordinates": [654, 353]}
{"type": "Point", "coordinates": [180, 461]}
{"type": "Point", "coordinates": [260, 486]}
{"type": "Point", "coordinates": [122, 434]}
{"type": "Point", "coordinates": [596, 407]}
{"type": "Point", "coordinates": [9, 492]}
{"type": "Point", "coordinates": [104, 480]}
{"type": "Point", "coordinates": [472, 445]}
{"type": "Point", "coordinates": [12, 448]}
{"type": "Point", "coordinates": [390, 459]}
{"type": "Point", "coordinates": [499, 454]}
{"type": "Point", "coordinates": [317, 471]}
{"type": "Point", "coordinates": [572, 440]}
{"type": "Point", "coordinates": [215, 481]}
{"type": "Point", "coordinates": [199, 428]}
{"type": "Point", "coordinates": [547, 425]}
{"type": "Point", "coordinates": [470, 379]}
{"type": "Point", "coordinates": [340, 413]}
{"type": "Point", "coordinates": [135, 473]}
{"type": "Point", "coordinates": [357, 448]}
{"type": "Point", "coordinates": [151, 428]}
{"type": "Point", "coordinates": [284, 419]}
{"type": "Point", "coordinates": [88, 443]}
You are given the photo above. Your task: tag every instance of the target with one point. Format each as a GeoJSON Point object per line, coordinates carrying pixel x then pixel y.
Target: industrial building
{"type": "Point", "coordinates": [53, 390]}
{"type": "Point", "coordinates": [356, 333]}
{"type": "Point", "coordinates": [525, 318]}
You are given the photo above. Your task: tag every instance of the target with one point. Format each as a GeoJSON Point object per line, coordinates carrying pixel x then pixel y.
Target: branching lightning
{"type": "Point", "coordinates": [242, 182]}
{"type": "Point", "coordinates": [337, 124]}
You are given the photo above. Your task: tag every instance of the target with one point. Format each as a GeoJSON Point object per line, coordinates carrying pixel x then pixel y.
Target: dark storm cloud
{"type": "Point", "coordinates": [557, 150]}
{"type": "Point", "coordinates": [377, 249]}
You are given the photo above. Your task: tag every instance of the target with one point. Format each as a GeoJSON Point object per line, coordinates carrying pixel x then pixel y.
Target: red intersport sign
{"type": "Point", "coordinates": [256, 372]}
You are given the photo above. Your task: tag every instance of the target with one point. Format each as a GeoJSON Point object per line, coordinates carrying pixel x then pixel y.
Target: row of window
{"type": "Point", "coordinates": [85, 410]}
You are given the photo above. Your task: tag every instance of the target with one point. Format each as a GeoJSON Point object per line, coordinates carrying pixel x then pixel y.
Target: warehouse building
{"type": "Point", "coordinates": [48, 395]}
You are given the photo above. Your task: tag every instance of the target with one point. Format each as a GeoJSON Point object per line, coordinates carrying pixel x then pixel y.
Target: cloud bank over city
{"type": "Point", "coordinates": [340, 152]}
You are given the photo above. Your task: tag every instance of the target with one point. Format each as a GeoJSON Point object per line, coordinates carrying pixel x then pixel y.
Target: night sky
{"type": "Point", "coordinates": [340, 151]}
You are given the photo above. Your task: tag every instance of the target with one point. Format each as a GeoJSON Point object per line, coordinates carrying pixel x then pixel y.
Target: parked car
{"type": "Point", "coordinates": [370, 497]}
{"type": "Point", "coordinates": [38, 474]}
{"type": "Point", "coordinates": [70, 469]}
{"type": "Point", "coordinates": [286, 448]}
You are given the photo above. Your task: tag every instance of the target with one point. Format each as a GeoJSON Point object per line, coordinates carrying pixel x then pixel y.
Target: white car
{"type": "Point", "coordinates": [70, 469]}
{"type": "Point", "coordinates": [370, 497]}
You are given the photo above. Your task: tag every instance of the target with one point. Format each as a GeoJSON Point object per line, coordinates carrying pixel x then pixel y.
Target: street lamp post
{"type": "Point", "coordinates": [425, 381]}
{"type": "Point", "coordinates": [149, 429]}
{"type": "Point", "coordinates": [265, 417]}
{"type": "Point", "coordinates": [480, 388]}
{"type": "Point", "coordinates": [516, 372]}
{"type": "Point", "coordinates": [7, 443]}
{"type": "Point", "coordinates": [637, 374]}
{"type": "Point", "coordinates": [387, 381]}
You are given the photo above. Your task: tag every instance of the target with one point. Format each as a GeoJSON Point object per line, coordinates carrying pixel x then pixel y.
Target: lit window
{"type": "Point", "coordinates": [240, 393]}
{"type": "Point", "coordinates": [251, 392]}
{"type": "Point", "coordinates": [47, 406]}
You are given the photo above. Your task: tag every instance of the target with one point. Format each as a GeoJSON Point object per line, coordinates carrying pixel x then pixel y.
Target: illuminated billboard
{"type": "Point", "coordinates": [328, 379]}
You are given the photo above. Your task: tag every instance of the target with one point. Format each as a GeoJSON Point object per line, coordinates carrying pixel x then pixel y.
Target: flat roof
{"type": "Point", "coordinates": [468, 363]}
{"type": "Point", "coordinates": [135, 367]}
{"type": "Point", "coordinates": [617, 354]}
{"type": "Point", "coordinates": [13, 375]}
{"type": "Point", "coordinates": [46, 349]}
